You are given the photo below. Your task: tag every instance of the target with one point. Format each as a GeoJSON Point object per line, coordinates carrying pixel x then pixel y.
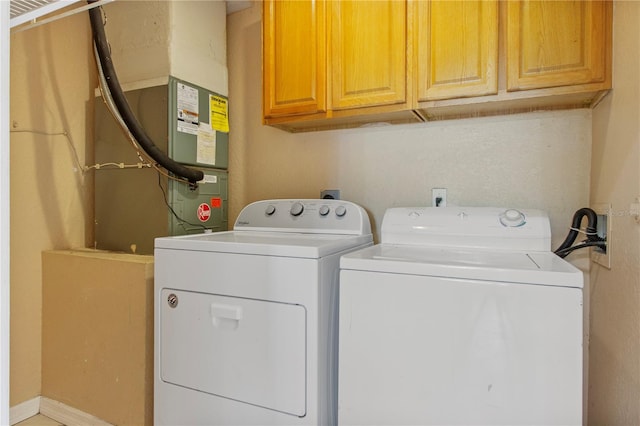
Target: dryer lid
{"type": "Point", "coordinates": [301, 245]}
{"type": "Point", "coordinates": [467, 227]}
{"type": "Point", "coordinates": [290, 228]}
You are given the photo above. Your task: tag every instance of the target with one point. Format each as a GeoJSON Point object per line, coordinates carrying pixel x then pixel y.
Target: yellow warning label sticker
{"type": "Point", "coordinates": [219, 108]}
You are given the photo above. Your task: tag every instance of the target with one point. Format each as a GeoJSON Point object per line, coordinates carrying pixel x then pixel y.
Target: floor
{"type": "Point", "coordinates": [39, 420]}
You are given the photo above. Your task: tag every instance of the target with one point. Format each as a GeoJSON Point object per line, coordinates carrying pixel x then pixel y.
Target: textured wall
{"type": "Point", "coordinates": [52, 81]}
{"type": "Point", "coordinates": [155, 39]}
{"type": "Point", "coordinates": [614, 391]}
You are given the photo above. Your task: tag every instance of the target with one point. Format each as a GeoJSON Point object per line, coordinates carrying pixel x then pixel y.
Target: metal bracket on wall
{"type": "Point", "coordinates": [598, 255]}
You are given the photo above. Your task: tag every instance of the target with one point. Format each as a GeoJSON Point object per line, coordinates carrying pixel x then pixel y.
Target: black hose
{"type": "Point", "coordinates": [134, 126]}
{"type": "Point", "coordinates": [591, 231]}
{"type": "Point", "coordinates": [564, 252]}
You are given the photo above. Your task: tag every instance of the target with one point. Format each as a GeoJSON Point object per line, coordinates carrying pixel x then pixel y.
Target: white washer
{"type": "Point", "coordinates": [246, 320]}
{"type": "Point", "coordinates": [460, 316]}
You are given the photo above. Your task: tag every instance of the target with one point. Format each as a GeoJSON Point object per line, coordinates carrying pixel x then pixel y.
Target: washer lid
{"type": "Point", "coordinates": [283, 244]}
{"type": "Point", "coordinates": [543, 268]}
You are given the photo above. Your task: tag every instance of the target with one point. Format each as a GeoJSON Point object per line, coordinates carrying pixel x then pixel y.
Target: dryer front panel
{"type": "Point", "coordinates": [248, 350]}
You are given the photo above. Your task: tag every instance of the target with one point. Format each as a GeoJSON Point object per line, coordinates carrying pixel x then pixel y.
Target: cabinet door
{"type": "Point", "coordinates": [368, 53]}
{"type": "Point", "coordinates": [294, 52]}
{"type": "Point", "coordinates": [457, 49]}
{"type": "Point", "coordinates": [556, 43]}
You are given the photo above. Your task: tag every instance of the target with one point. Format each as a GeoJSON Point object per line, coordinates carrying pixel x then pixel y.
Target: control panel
{"type": "Point", "coordinates": [470, 227]}
{"type": "Point", "coordinates": [309, 216]}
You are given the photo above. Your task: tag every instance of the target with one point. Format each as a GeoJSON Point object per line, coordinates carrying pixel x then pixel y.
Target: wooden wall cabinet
{"type": "Point", "coordinates": [368, 55]}
{"type": "Point", "coordinates": [346, 63]}
{"type": "Point", "coordinates": [336, 63]}
{"type": "Point", "coordinates": [456, 49]}
{"type": "Point", "coordinates": [555, 43]}
{"type": "Point", "coordinates": [551, 55]}
{"type": "Point", "coordinates": [294, 59]}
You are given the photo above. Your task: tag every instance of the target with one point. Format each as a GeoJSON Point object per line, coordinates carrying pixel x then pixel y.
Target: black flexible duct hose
{"type": "Point", "coordinates": [121, 103]}
{"type": "Point", "coordinates": [565, 252]}
{"type": "Point", "coordinates": [591, 230]}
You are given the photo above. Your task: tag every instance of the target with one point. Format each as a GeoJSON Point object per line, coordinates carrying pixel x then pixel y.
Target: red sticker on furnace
{"type": "Point", "coordinates": [204, 212]}
{"type": "Point", "coordinates": [216, 203]}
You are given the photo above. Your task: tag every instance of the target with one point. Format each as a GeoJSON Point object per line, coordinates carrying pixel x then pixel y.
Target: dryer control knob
{"type": "Point", "coordinates": [324, 210]}
{"type": "Point", "coordinates": [512, 218]}
{"type": "Point", "coordinates": [296, 209]}
{"type": "Point", "coordinates": [271, 209]}
{"type": "Point", "coordinates": [341, 211]}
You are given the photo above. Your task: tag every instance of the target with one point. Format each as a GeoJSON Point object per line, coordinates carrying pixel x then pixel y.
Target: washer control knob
{"type": "Point", "coordinates": [324, 210]}
{"type": "Point", "coordinates": [296, 209]}
{"type": "Point", "coordinates": [341, 211]}
{"type": "Point", "coordinates": [512, 218]}
{"type": "Point", "coordinates": [271, 209]}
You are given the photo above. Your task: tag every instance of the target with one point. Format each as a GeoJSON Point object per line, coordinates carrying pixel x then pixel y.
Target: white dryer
{"type": "Point", "coordinates": [461, 316]}
{"type": "Point", "coordinates": [246, 320]}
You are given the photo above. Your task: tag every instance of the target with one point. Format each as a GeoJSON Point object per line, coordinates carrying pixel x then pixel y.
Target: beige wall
{"type": "Point", "coordinates": [615, 294]}
{"type": "Point", "coordinates": [52, 77]}
{"type": "Point", "coordinates": [97, 334]}
{"type": "Point", "coordinates": [538, 160]}
{"type": "Point", "coordinates": [151, 40]}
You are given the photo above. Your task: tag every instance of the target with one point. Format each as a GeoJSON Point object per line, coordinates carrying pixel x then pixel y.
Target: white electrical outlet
{"type": "Point", "coordinates": [600, 256]}
{"type": "Point", "coordinates": [439, 197]}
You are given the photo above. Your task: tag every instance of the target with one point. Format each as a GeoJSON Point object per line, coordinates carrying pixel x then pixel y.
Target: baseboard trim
{"type": "Point", "coordinates": [67, 415]}
{"type": "Point", "coordinates": [24, 410]}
